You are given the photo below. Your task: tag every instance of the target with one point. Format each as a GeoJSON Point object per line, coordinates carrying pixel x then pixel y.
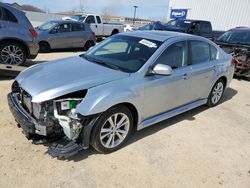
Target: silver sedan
{"type": "Point", "coordinates": [134, 79]}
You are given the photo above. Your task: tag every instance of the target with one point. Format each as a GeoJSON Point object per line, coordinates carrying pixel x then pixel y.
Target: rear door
{"type": "Point", "coordinates": [79, 35]}
{"type": "Point", "coordinates": [203, 64]}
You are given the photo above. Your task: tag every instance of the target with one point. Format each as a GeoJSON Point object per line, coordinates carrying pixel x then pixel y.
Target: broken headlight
{"type": "Point", "coordinates": [64, 111]}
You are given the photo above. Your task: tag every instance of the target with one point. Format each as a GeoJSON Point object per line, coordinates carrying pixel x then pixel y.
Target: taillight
{"type": "Point", "coordinates": [33, 32]}
{"type": "Point", "coordinates": [93, 33]}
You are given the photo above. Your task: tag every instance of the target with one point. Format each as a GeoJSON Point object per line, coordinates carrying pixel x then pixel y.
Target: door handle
{"type": "Point", "coordinates": [96, 26]}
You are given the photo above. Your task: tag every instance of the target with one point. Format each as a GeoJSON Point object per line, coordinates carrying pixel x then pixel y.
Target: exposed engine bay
{"type": "Point", "coordinates": [55, 119]}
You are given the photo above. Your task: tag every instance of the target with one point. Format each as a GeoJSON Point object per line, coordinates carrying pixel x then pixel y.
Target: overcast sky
{"type": "Point", "coordinates": [153, 9]}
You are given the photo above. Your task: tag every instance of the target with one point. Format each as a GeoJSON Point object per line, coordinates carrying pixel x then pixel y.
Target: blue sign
{"type": "Point", "coordinates": [180, 14]}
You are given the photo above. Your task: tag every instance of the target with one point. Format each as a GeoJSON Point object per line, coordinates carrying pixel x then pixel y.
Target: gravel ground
{"type": "Point", "coordinates": [201, 148]}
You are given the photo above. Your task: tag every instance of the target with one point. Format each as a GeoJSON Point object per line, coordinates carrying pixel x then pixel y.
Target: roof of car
{"type": "Point", "coordinates": [65, 21]}
{"type": "Point", "coordinates": [240, 29]}
{"type": "Point", "coordinates": [155, 35]}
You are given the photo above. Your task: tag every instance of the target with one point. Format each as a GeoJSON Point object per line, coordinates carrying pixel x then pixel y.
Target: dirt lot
{"type": "Point", "coordinates": [202, 148]}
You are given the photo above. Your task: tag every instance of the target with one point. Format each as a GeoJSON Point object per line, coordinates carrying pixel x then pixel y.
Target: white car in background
{"type": "Point", "coordinates": [129, 27]}
{"type": "Point", "coordinates": [97, 25]}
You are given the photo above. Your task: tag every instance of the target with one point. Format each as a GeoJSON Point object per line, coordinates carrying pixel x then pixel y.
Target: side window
{"type": "Point", "coordinates": [77, 27]}
{"type": "Point", "coordinates": [195, 26]}
{"type": "Point", "coordinates": [98, 19]}
{"type": "Point", "coordinates": [214, 52]}
{"type": "Point", "coordinates": [6, 15]}
{"type": "Point", "coordinates": [200, 52]}
{"type": "Point", "coordinates": [1, 13]}
{"type": "Point", "coordinates": [175, 56]}
{"type": "Point", "coordinates": [90, 19]}
{"type": "Point", "coordinates": [205, 27]}
{"type": "Point", "coordinates": [63, 28]}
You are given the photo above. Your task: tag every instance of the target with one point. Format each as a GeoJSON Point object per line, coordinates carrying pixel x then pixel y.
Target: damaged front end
{"type": "Point", "coordinates": [242, 66]}
{"type": "Point", "coordinates": [52, 120]}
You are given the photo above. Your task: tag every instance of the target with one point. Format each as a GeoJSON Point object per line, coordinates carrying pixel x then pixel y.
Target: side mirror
{"type": "Point", "coordinates": [161, 69]}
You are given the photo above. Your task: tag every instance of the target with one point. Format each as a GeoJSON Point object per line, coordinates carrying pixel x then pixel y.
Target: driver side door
{"type": "Point", "coordinates": [163, 93]}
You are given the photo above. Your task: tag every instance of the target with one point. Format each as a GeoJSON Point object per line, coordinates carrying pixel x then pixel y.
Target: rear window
{"type": "Point", "coordinates": [78, 27]}
{"type": "Point", "coordinates": [6, 15]}
{"type": "Point", "coordinates": [213, 52]}
{"type": "Point", "coordinates": [200, 52]}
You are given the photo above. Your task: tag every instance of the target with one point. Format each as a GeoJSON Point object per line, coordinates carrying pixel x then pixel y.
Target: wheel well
{"type": "Point", "coordinates": [224, 80]}
{"type": "Point", "coordinates": [115, 31]}
{"type": "Point", "coordinates": [44, 42]}
{"type": "Point", "coordinates": [19, 42]}
{"type": "Point", "coordinates": [134, 111]}
{"type": "Point", "coordinates": [90, 41]}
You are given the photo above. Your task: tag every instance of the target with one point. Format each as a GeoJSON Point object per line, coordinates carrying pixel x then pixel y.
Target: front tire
{"type": "Point", "coordinates": [216, 93]}
{"type": "Point", "coordinates": [12, 53]}
{"type": "Point", "coordinates": [113, 129]}
{"type": "Point", "coordinates": [44, 47]}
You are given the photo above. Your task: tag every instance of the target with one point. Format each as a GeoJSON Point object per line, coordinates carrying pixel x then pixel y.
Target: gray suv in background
{"type": "Point", "coordinates": [61, 34]}
{"type": "Point", "coordinates": [17, 36]}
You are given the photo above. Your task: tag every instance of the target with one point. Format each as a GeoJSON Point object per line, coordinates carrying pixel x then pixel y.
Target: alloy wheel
{"type": "Point", "coordinates": [217, 92]}
{"type": "Point", "coordinates": [12, 55]}
{"type": "Point", "coordinates": [114, 130]}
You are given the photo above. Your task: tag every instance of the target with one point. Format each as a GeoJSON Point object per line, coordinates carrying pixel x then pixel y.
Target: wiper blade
{"type": "Point", "coordinates": [101, 63]}
{"type": "Point", "coordinates": [107, 65]}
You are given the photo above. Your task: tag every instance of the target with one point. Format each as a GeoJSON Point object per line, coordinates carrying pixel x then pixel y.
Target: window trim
{"type": "Point", "coordinates": [190, 51]}
{"type": "Point", "coordinates": [89, 17]}
{"type": "Point", "coordinates": [177, 41]}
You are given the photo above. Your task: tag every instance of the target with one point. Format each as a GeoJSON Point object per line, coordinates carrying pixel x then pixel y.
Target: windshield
{"type": "Point", "coordinates": [78, 18]}
{"type": "Point", "coordinates": [179, 23]}
{"type": "Point", "coordinates": [238, 37]}
{"type": "Point", "coordinates": [125, 53]}
{"type": "Point", "coordinates": [47, 25]}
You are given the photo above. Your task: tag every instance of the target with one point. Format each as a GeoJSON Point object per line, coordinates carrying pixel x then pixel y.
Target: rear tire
{"type": "Point", "coordinates": [216, 93]}
{"type": "Point", "coordinates": [113, 129]}
{"type": "Point", "coordinates": [88, 45]}
{"type": "Point", "coordinates": [12, 53]}
{"type": "Point", "coordinates": [44, 47]}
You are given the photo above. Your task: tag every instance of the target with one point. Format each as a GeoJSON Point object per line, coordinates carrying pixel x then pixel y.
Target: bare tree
{"type": "Point", "coordinates": [82, 5]}
{"type": "Point", "coordinates": [46, 9]}
{"type": "Point", "coordinates": [106, 15]}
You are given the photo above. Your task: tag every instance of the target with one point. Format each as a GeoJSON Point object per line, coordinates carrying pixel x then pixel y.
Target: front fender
{"type": "Point", "coordinates": [101, 98]}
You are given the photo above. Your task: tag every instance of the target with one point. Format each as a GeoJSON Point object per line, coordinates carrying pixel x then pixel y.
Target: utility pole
{"type": "Point", "coordinates": [134, 14]}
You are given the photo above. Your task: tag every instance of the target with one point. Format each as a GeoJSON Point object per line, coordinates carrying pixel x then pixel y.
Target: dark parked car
{"type": "Point", "coordinates": [63, 34]}
{"type": "Point", "coordinates": [17, 36]}
{"type": "Point", "coordinates": [153, 26]}
{"type": "Point", "coordinates": [195, 27]}
{"type": "Point", "coordinates": [237, 42]}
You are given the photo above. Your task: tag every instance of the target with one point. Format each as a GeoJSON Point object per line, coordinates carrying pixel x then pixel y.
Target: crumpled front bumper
{"type": "Point", "coordinates": [29, 125]}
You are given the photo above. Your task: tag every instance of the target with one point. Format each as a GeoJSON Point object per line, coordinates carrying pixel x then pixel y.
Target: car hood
{"type": "Point", "coordinates": [53, 79]}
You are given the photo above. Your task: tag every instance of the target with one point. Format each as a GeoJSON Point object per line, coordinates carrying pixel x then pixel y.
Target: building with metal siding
{"type": "Point", "coordinates": [223, 14]}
